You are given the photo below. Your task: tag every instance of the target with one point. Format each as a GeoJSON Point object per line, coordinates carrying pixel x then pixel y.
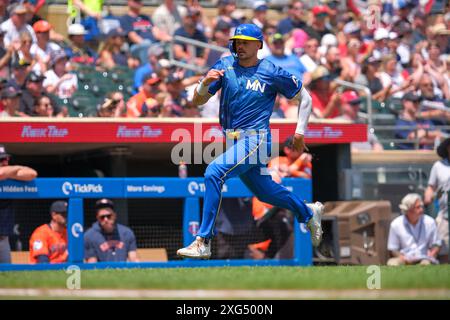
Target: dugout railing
{"type": "Point", "coordinates": [76, 190]}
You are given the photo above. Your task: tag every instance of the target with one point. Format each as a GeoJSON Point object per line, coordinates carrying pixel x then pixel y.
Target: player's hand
{"type": "Point", "coordinates": [298, 143]}
{"type": "Point", "coordinates": [212, 76]}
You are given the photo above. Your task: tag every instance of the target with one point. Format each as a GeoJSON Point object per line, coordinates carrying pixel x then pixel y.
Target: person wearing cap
{"type": "Point", "coordinates": [14, 172]}
{"type": "Point", "coordinates": [20, 69]}
{"type": "Point", "coordinates": [417, 131]}
{"type": "Point", "coordinates": [290, 62]}
{"type": "Point", "coordinates": [15, 25]}
{"type": "Point", "coordinates": [107, 240]}
{"type": "Point", "coordinates": [190, 30]}
{"type": "Point", "coordinates": [369, 78]}
{"type": "Point", "coordinates": [177, 103]}
{"type": "Point", "coordinates": [294, 19]}
{"type": "Point", "coordinates": [78, 50]}
{"type": "Point", "coordinates": [10, 97]}
{"type": "Point", "coordinates": [33, 92]}
{"type": "Point", "coordinates": [438, 188]}
{"type": "Point", "coordinates": [441, 34]}
{"type": "Point", "coordinates": [260, 13]}
{"type": "Point", "coordinates": [141, 32]}
{"type": "Point", "coordinates": [325, 99]}
{"type": "Point", "coordinates": [221, 36]}
{"type": "Point", "coordinates": [413, 236]}
{"type": "Point", "coordinates": [58, 80]}
{"type": "Point", "coordinates": [226, 10]}
{"type": "Point", "coordinates": [111, 53]}
{"type": "Point", "coordinates": [43, 48]}
{"type": "Point", "coordinates": [154, 53]}
{"type": "Point", "coordinates": [48, 243]}
{"type": "Point", "coordinates": [144, 101]}
{"type": "Point", "coordinates": [167, 16]}
{"type": "Point", "coordinates": [249, 87]}
{"type": "Point", "coordinates": [319, 26]}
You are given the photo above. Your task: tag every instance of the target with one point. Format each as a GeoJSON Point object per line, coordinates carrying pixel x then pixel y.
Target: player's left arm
{"type": "Point", "coordinates": [292, 88]}
{"type": "Point", "coordinates": [305, 108]}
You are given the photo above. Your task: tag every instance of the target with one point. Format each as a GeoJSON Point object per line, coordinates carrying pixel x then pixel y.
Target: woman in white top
{"type": "Point", "coordinates": [58, 80]}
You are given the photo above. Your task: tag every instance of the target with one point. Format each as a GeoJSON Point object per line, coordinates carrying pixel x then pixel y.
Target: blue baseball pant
{"type": "Point", "coordinates": [246, 158]}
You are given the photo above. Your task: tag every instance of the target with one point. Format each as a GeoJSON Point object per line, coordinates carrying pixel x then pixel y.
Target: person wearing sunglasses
{"type": "Point", "coordinates": [15, 172]}
{"type": "Point", "coordinates": [107, 240]}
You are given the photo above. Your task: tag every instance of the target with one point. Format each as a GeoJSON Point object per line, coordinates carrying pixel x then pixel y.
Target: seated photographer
{"type": "Point", "coordinates": [113, 106]}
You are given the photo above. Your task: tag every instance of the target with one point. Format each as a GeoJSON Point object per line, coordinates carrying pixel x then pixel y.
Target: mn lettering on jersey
{"type": "Point", "coordinates": [255, 85]}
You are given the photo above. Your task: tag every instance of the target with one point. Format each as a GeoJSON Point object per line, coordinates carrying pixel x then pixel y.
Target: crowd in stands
{"type": "Point", "coordinates": [119, 66]}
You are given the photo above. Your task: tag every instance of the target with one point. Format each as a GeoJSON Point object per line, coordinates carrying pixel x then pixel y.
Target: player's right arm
{"type": "Point", "coordinates": [201, 92]}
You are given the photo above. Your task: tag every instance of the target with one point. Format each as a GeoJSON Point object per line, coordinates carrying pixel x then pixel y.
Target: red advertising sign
{"type": "Point", "coordinates": [76, 131]}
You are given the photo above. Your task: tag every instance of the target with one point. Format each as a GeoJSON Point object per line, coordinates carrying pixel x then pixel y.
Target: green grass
{"type": "Point", "coordinates": [335, 277]}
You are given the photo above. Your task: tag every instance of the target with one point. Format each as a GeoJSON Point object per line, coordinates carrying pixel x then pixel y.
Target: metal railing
{"type": "Point", "coordinates": [195, 44]}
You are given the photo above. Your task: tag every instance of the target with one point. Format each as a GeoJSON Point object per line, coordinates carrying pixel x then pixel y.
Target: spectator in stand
{"type": "Point", "coordinates": [441, 35]}
{"type": "Point", "coordinates": [6, 53]}
{"type": "Point", "coordinates": [10, 97]}
{"type": "Point", "coordinates": [107, 240]}
{"type": "Point", "coordinates": [288, 62]}
{"type": "Point", "coordinates": [43, 48]}
{"type": "Point", "coordinates": [332, 61]}
{"type": "Point", "coordinates": [439, 188]}
{"type": "Point", "coordinates": [352, 61]}
{"type": "Point", "coordinates": [294, 19]}
{"type": "Point", "coordinates": [319, 27]}
{"type": "Point", "coordinates": [167, 17]}
{"type": "Point", "coordinates": [91, 14]}
{"type": "Point", "coordinates": [140, 30]}
{"type": "Point", "coordinates": [182, 51]}
{"type": "Point", "coordinates": [177, 104]}
{"type": "Point", "coordinates": [14, 172]}
{"type": "Point", "coordinates": [15, 25]}
{"type": "Point", "coordinates": [420, 131]}
{"type": "Point", "coordinates": [58, 80]}
{"type": "Point", "coordinates": [413, 237]}
{"type": "Point", "coordinates": [221, 36]}
{"type": "Point", "coordinates": [4, 10]}
{"type": "Point", "coordinates": [311, 59]}
{"type": "Point", "coordinates": [225, 10]}
{"type": "Point", "coordinates": [260, 13]}
{"type": "Point", "coordinates": [113, 106]}
{"type": "Point", "coordinates": [20, 69]}
{"type": "Point", "coordinates": [48, 243]}
{"type": "Point", "coordinates": [392, 77]}
{"type": "Point", "coordinates": [32, 94]}
{"type": "Point", "coordinates": [111, 53]}
{"type": "Point", "coordinates": [144, 103]}
{"type": "Point", "coordinates": [26, 54]}
{"type": "Point", "coordinates": [155, 53]}
{"type": "Point", "coordinates": [325, 100]}
{"type": "Point", "coordinates": [79, 51]}
{"type": "Point", "coordinates": [43, 107]}
{"type": "Point", "coordinates": [433, 107]}
{"type": "Point", "coordinates": [380, 38]}
{"type": "Point", "coordinates": [369, 78]}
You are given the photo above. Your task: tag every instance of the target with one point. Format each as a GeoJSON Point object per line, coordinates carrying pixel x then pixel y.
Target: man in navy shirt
{"type": "Point", "coordinates": [107, 240]}
{"type": "Point", "coordinates": [294, 19]}
{"type": "Point", "coordinates": [140, 30]}
{"type": "Point", "coordinates": [190, 30]}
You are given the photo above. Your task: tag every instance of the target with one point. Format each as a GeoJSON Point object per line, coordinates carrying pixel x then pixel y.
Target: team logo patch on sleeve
{"type": "Point", "coordinates": [295, 80]}
{"type": "Point", "coordinates": [37, 245]}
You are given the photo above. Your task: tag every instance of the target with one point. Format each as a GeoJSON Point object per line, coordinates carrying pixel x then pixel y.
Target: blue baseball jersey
{"type": "Point", "coordinates": [248, 94]}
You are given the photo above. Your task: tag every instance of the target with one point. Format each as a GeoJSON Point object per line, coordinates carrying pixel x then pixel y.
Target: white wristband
{"type": "Point", "coordinates": [202, 89]}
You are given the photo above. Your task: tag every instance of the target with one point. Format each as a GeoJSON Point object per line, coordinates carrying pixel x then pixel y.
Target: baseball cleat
{"type": "Point", "coordinates": [198, 249]}
{"type": "Point", "coordinates": [314, 224]}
